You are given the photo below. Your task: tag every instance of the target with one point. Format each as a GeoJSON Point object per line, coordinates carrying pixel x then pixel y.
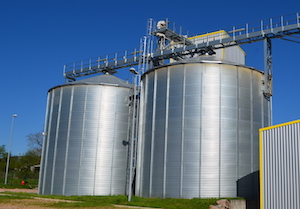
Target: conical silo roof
{"type": "Point", "coordinates": [201, 59]}
{"type": "Point", "coordinates": [105, 79]}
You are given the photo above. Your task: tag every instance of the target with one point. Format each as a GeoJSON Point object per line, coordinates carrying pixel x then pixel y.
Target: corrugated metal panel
{"type": "Point", "coordinates": [83, 150]}
{"type": "Point", "coordinates": [280, 166]}
{"type": "Point", "coordinates": [199, 129]}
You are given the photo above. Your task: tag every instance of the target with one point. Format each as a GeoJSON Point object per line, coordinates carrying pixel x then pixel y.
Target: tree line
{"type": "Point", "coordinates": [26, 165]}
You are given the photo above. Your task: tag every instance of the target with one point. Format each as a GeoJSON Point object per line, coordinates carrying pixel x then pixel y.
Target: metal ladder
{"type": "Point", "coordinates": [145, 45]}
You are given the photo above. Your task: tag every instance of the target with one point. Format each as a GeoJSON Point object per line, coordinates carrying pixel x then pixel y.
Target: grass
{"type": "Point", "coordinates": [105, 201]}
{"type": "Point", "coordinates": [8, 197]}
{"type": "Point", "coordinates": [16, 183]}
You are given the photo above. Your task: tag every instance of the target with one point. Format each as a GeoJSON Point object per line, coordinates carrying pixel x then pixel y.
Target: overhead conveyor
{"type": "Point", "coordinates": [283, 27]}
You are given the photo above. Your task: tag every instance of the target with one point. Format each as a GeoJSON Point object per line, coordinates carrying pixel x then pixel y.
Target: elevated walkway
{"type": "Point", "coordinates": [279, 27]}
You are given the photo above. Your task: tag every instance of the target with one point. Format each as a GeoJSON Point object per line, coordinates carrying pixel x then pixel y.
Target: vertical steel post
{"type": "Point", "coordinates": [268, 77]}
{"type": "Point", "coordinates": [233, 32]}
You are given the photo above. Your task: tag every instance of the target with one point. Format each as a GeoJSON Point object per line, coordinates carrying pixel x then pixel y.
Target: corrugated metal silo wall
{"type": "Point", "coordinates": [199, 131]}
{"type": "Point", "coordinates": [83, 150]}
{"type": "Point", "coordinates": [279, 166]}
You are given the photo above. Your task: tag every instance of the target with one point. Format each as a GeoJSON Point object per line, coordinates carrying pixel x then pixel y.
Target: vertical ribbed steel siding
{"type": "Point", "coordinates": [280, 166]}
{"type": "Point", "coordinates": [44, 149]}
{"type": "Point", "coordinates": [83, 149]}
{"type": "Point", "coordinates": [200, 130]}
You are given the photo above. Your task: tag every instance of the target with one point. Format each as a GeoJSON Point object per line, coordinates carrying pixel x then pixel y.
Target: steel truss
{"type": "Point", "coordinates": [264, 30]}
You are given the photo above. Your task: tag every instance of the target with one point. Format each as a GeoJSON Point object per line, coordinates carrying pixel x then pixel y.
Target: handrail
{"type": "Point", "coordinates": [131, 57]}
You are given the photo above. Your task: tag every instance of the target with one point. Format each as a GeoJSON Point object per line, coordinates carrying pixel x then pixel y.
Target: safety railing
{"type": "Point", "coordinates": [117, 60]}
{"type": "Point", "coordinates": [252, 27]}
{"type": "Point", "coordinates": [108, 60]}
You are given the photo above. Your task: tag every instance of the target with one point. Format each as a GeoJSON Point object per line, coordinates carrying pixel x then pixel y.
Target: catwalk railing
{"type": "Point", "coordinates": [242, 34]}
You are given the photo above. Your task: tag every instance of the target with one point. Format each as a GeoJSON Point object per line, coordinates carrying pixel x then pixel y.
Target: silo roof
{"type": "Point", "coordinates": [105, 79]}
{"type": "Point", "coordinates": [203, 59]}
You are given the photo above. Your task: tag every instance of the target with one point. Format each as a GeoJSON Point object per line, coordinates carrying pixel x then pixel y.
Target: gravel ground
{"type": "Point", "coordinates": [19, 190]}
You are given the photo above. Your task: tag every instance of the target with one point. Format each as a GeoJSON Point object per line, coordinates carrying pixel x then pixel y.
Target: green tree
{"type": "Point", "coordinates": [3, 152]}
{"type": "Point", "coordinates": [30, 158]}
{"type": "Point", "coordinates": [25, 163]}
{"type": "Point", "coordinates": [3, 156]}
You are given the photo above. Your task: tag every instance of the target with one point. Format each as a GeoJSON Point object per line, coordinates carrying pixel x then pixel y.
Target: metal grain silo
{"type": "Point", "coordinates": [199, 129]}
{"type": "Point", "coordinates": [86, 124]}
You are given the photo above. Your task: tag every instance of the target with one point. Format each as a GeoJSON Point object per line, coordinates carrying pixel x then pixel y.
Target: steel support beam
{"type": "Point", "coordinates": [268, 75]}
{"type": "Point", "coordinates": [287, 26]}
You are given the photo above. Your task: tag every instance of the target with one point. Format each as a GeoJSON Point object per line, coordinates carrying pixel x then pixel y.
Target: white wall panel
{"type": "Point", "coordinates": [280, 166]}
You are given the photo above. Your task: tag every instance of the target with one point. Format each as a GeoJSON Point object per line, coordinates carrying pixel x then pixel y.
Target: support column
{"type": "Point", "coordinates": [268, 74]}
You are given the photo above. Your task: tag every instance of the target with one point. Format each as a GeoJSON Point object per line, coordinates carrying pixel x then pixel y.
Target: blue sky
{"type": "Point", "coordinates": [39, 36]}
